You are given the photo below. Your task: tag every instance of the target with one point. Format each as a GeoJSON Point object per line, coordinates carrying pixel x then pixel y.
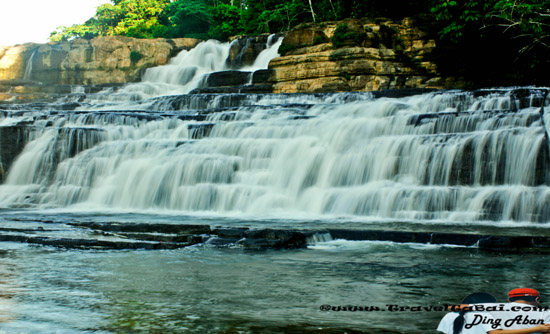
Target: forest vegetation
{"type": "Point", "coordinates": [479, 34]}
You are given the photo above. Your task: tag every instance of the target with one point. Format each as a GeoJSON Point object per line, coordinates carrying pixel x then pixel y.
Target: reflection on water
{"type": "Point", "coordinates": [8, 286]}
{"type": "Point", "coordinates": [229, 290]}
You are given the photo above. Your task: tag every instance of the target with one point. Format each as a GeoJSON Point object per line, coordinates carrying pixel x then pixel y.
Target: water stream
{"type": "Point", "coordinates": [149, 152]}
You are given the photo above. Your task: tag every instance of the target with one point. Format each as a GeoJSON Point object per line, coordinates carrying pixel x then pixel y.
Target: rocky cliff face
{"type": "Point", "coordinates": [360, 55]}
{"type": "Point", "coordinates": [350, 55]}
{"type": "Point", "coordinates": [104, 60]}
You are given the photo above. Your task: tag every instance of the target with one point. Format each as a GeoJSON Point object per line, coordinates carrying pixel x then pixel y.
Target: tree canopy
{"type": "Point", "coordinates": [223, 18]}
{"type": "Point", "coordinates": [495, 32]}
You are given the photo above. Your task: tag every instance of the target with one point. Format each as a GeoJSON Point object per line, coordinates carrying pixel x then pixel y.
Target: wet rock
{"type": "Point", "coordinates": [395, 236]}
{"type": "Point", "coordinates": [520, 243]}
{"type": "Point", "coordinates": [91, 243]}
{"type": "Point", "coordinates": [244, 50]}
{"type": "Point", "coordinates": [455, 239]}
{"type": "Point", "coordinates": [199, 131]}
{"type": "Point", "coordinates": [227, 78]}
{"type": "Point", "coordinates": [147, 228]}
{"type": "Point", "coordinates": [277, 239]}
{"type": "Point", "coordinates": [12, 141]}
{"type": "Point", "coordinates": [222, 242]}
{"type": "Point", "coordinates": [236, 232]}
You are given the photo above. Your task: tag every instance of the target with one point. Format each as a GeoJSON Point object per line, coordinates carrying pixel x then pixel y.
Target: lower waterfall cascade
{"type": "Point", "coordinates": [451, 156]}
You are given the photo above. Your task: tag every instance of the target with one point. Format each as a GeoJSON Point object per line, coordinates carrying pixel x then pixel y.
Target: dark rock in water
{"type": "Point", "coordinates": [136, 227]}
{"type": "Point", "coordinates": [228, 82]}
{"type": "Point", "coordinates": [199, 131]}
{"type": "Point", "coordinates": [12, 141]}
{"type": "Point", "coordinates": [256, 89]}
{"type": "Point", "coordinates": [91, 243]}
{"type": "Point", "coordinates": [395, 236]}
{"type": "Point", "coordinates": [261, 77]}
{"type": "Point", "coordinates": [246, 89]}
{"type": "Point", "coordinates": [222, 242]}
{"type": "Point", "coordinates": [278, 239]}
{"type": "Point", "coordinates": [404, 92]}
{"type": "Point", "coordinates": [168, 236]}
{"type": "Point", "coordinates": [237, 232]}
{"type": "Point", "coordinates": [454, 239]}
{"type": "Point", "coordinates": [506, 243]}
{"type": "Point", "coordinates": [227, 236]}
{"type": "Point", "coordinates": [227, 78]}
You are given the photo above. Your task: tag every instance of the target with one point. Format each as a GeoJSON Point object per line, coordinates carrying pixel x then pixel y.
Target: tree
{"type": "Point", "coordinates": [226, 21]}
{"type": "Point", "coordinates": [529, 20]}
{"type": "Point", "coordinates": [188, 18]}
{"type": "Point", "coordinates": [134, 18]}
{"type": "Point", "coordinates": [506, 39]}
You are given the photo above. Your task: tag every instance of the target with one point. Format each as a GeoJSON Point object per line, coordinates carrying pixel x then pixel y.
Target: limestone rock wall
{"type": "Point", "coordinates": [102, 60]}
{"type": "Point", "coordinates": [379, 54]}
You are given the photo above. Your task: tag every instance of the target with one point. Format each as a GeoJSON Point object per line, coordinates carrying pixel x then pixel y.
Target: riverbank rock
{"type": "Point", "coordinates": [358, 55]}
{"type": "Point", "coordinates": [100, 61]}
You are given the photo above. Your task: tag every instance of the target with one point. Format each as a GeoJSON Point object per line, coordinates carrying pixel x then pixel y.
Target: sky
{"type": "Point", "coordinates": [24, 21]}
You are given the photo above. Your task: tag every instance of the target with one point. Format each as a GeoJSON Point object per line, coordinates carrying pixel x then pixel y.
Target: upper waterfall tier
{"type": "Point", "coordinates": [185, 72]}
{"type": "Point", "coordinates": [456, 156]}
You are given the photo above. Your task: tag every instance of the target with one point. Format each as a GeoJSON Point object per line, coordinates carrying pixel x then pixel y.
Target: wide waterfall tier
{"type": "Point", "coordinates": [451, 156]}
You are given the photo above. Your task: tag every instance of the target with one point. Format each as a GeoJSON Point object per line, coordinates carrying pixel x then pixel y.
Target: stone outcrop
{"type": "Point", "coordinates": [150, 236]}
{"type": "Point", "coordinates": [371, 54]}
{"type": "Point", "coordinates": [100, 61]}
{"type": "Point", "coordinates": [351, 55]}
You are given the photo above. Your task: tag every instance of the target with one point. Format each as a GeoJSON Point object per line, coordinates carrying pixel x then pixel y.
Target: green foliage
{"type": "Point", "coordinates": [320, 39]}
{"type": "Point", "coordinates": [528, 18]}
{"type": "Point", "coordinates": [221, 19]}
{"type": "Point", "coordinates": [228, 18]}
{"type": "Point", "coordinates": [63, 33]}
{"type": "Point", "coordinates": [285, 48]}
{"type": "Point", "coordinates": [499, 38]}
{"type": "Point", "coordinates": [135, 56]}
{"type": "Point", "coordinates": [460, 16]}
{"type": "Point", "coordinates": [344, 35]}
{"type": "Point", "coordinates": [188, 18]}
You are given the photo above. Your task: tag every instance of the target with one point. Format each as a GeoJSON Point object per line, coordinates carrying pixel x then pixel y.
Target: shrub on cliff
{"type": "Point", "coordinates": [343, 35]}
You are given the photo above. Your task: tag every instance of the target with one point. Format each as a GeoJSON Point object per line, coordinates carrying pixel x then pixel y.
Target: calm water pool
{"type": "Point", "coordinates": [204, 289]}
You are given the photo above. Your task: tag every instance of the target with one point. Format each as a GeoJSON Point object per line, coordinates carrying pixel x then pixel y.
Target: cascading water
{"type": "Point", "coordinates": [183, 73]}
{"type": "Point", "coordinates": [271, 51]}
{"type": "Point", "coordinates": [448, 156]}
{"type": "Point", "coordinates": [28, 68]}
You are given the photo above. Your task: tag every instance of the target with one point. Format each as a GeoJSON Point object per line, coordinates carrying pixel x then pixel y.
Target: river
{"type": "Point", "coordinates": [150, 153]}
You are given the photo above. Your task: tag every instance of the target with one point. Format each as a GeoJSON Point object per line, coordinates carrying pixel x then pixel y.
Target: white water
{"type": "Point", "coordinates": [449, 156]}
{"type": "Point", "coordinates": [28, 68]}
{"type": "Point", "coordinates": [184, 72]}
{"type": "Point", "coordinates": [271, 51]}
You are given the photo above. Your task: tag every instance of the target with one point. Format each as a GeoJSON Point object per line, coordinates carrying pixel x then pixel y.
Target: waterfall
{"type": "Point", "coordinates": [28, 68]}
{"type": "Point", "coordinates": [184, 72]}
{"type": "Point", "coordinates": [448, 156]}
{"type": "Point", "coordinates": [271, 51]}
